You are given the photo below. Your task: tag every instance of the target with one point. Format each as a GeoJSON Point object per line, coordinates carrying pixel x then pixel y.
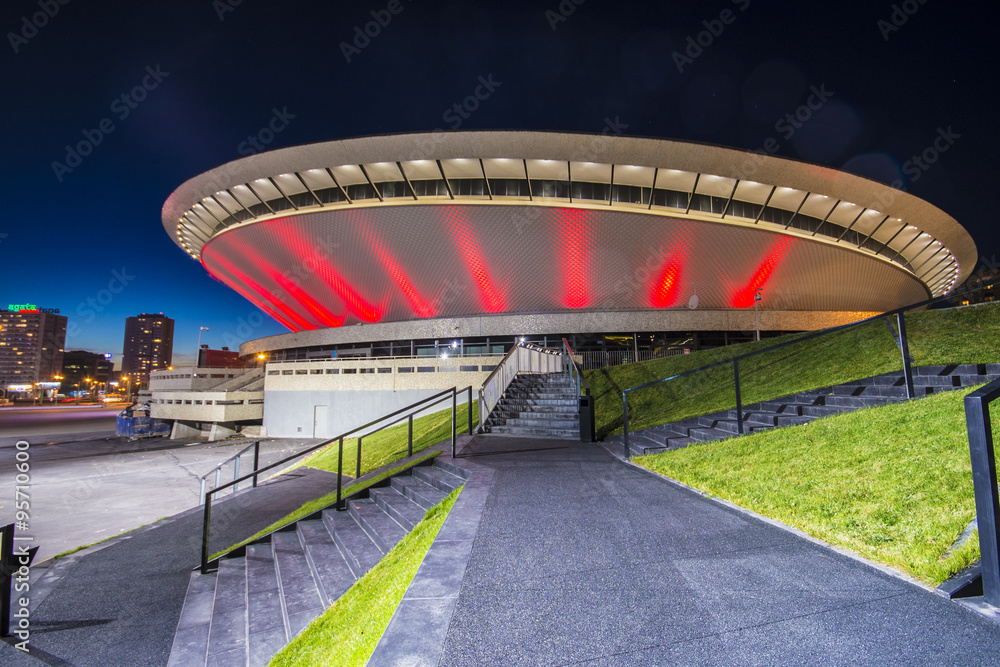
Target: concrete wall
{"type": "Point", "coordinates": [189, 378]}
{"type": "Point", "coordinates": [207, 406]}
{"type": "Point", "coordinates": [289, 414]}
{"type": "Point", "coordinates": [293, 390]}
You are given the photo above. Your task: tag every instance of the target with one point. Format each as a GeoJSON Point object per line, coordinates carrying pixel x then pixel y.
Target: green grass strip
{"type": "Point", "coordinates": [348, 632]}
{"type": "Point", "coordinates": [954, 336]}
{"type": "Point", "coordinates": [891, 483]}
{"type": "Point", "coordinates": [325, 501]}
{"type": "Point", "coordinates": [388, 445]}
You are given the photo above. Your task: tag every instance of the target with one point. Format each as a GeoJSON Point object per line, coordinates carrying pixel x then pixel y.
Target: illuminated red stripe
{"type": "Point", "coordinates": [300, 248]}
{"type": "Point", "coordinates": [236, 286]}
{"type": "Point", "coordinates": [297, 293]}
{"type": "Point", "coordinates": [418, 304]}
{"type": "Point", "coordinates": [575, 253]}
{"type": "Point", "coordinates": [744, 297]}
{"type": "Point", "coordinates": [264, 294]}
{"type": "Point", "coordinates": [666, 287]}
{"type": "Point", "coordinates": [491, 299]}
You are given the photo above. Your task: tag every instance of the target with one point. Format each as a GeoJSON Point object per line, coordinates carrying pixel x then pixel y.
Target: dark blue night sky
{"type": "Point", "coordinates": [85, 236]}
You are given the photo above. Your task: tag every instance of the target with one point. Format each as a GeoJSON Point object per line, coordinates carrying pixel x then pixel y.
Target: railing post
{"type": "Point", "coordinates": [205, 528]}
{"type": "Point", "coordinates": [454, 408]}
{"type": "Point", "coordinates": [625, 423]}
{"type": "Point", "coordinates": [236, 474]}
{"type": "Point", "coordinates": [340, 472]}
{"type": "Point", "coordinates": [357, 463]}
{"type": "Point", "coordinates": [7, 571]}
{"type": "Point", "coordinates": [218, 477]}
{"type": "Point", "coordinates": [202, 494]}
{"type": "Point", "coordinates": [984, 483]}
{"type": "Point", "coordinates": [904, 347]}
{"type": "Point", "coordinates": [470, 410]}
{"type": "Point", "coordinates": [409, 436]}
{"type": "Point", "coordinates": [256, 461]}
{"type": "Point", "coordinates": [739, 399]}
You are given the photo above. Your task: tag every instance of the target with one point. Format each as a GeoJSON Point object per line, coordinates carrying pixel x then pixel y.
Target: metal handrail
{"type": "Point", "coordinates": [735, 361]}
{"type": "Point", "coordinates": [575, 373]}
{"type": "Point", "coordinates": [236, 469]}
{"type": "Point", "coordinates": [984, 485]}
{"type": "Point", "coordinates": [422, 404]}
{"type": "Point", "coordinates": [485, 406]}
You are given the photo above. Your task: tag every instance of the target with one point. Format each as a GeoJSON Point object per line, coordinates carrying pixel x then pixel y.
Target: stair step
{"type": "Point", "coordinates": [510, 401]}
{"type": "Point", "coordinates": [403, 510]}
{"type": "Point", "coordinates": [542, 422]}
{"type": "Point", "coordinates": [357, 547]}
{"type": "Point", "coordinates": [450, 466]}
{"type": "Point", "coordinates": [265, 621]}
{"type": "Point", "coordinates": [563, 434]}
{"type": "Point", "coordinates": [327, 562]}
{"type": "Point", "coordinates": [300, 597]}
{"type": "Point", "coordinates": [227, 636]}
{"type": "Point", "coordinates": [859, 401]}
{"type": "Point", "coordinates": [423, 494]}
{"type": "Point", "coordinates": [438, 478]}
{"type": "Point", "coordinates": [708, 434]}
{"type": "Point", "coordinates": [191, 639]}
{"type": "Point", "coordinates": [381, 527]}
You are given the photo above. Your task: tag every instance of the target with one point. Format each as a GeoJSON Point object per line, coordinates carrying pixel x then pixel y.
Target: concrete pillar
{"type": "Point", "coordinates": [220, 431]}
{"type": "Point", "coordinates": [183, 430]}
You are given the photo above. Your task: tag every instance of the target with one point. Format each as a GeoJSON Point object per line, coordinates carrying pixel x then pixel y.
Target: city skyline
{"type": "Point", "coordinates": [118, 109]}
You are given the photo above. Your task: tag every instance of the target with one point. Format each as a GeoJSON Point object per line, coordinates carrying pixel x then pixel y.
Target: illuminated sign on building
{"type": "Point", "coordinates": [29, 308]}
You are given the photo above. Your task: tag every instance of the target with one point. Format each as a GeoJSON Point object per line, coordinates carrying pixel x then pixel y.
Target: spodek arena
{"type": "Point", "coordinates": [417, 243]}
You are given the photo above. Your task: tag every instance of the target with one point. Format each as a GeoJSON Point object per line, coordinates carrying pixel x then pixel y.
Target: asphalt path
{"type": "Point", "coordinates": [61, 419]}
{"type": "Point", "coordinates": [86, 490]}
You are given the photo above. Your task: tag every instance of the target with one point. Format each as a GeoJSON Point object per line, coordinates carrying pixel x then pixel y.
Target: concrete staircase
{"type": "Point", "coordinates": [541, 405]}
{"type": "Point", "coordinates": [266, 593]}
{"type": "Point", "coordinates": [806, 406]}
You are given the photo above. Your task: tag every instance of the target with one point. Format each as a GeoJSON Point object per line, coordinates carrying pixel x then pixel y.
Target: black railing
{"type": "Point", "coordinates": [984, 484]}
{"type": "Point", "coordinates": [586, 401]}
{"type": "Point", "coordinates": [416, 407]}
{"type": "Point", "coordinates": [735, 361]}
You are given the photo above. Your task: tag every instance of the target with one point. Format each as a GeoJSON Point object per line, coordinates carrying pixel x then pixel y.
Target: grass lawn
{"type": "Point", "coordinates": [963, 335]}
{"type": "Point", "coordinates": [891, 483]}
{"type": "Point", "coordinates": [347, 632]}
{"type": "Point", "coordinates": [388, 445]}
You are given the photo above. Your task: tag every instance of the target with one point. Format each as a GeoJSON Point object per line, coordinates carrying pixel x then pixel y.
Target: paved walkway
{"type": "Point", "coordinates": [581, 559]}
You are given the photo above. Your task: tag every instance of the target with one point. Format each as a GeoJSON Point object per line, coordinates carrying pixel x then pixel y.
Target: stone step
{"type": "Point", "coordinates": [403, 510]}
{"type": "Point", "coordinates": [562, 434]}
{"type": "Point", "coordinates": [382, 528]}
{"type": "Point", "coordinates": [708, 434]}
{"type": "Point", "coordinates": [535, 421]}
{"type": "Point", "coordinates": [438, 478]}
{"type": "Point", "coordinates": [539, 401]}
{"type": "Point", "coordinates": [421, 493]}
{"type": "Point", "coordinates": [357, 547]}
{"type": "Point", "coordinates": [191, 638]}
{"type": "Point", "coordinates": [227, 634]}
{"type": "Point", "coordinates": [856, 402]}
{"type": "Point", "coordinates": [266, 632]}
{"type": "Point", "coordinates": [300, 596]}
{"type": "Point", "coordinates": [329, 568]}
{"type": "Point", "coordinates": [516, 408]}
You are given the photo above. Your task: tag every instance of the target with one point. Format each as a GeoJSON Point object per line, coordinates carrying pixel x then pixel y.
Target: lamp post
{"type": "Point", "coordinates": [756, 318]}
{"type": "Point", "coordinates": [197, 357]}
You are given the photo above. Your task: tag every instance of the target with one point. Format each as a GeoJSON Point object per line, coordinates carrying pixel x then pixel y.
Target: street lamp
{"type": "Point", "coordinates": [197, 358]}
{"type": "Point", "coordinates": [756, 298]}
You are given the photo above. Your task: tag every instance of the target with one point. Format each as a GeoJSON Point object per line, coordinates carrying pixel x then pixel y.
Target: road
{"type": "Point", "coordinates": [21, 422]}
